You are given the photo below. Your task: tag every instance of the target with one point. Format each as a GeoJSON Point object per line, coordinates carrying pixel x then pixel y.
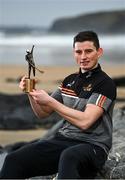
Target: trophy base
{"type": "Point", "coordinates": [30, 85]}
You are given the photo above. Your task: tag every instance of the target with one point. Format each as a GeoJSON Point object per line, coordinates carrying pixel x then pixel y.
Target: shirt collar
{"type": "Point", "coordinates": [89, 73]}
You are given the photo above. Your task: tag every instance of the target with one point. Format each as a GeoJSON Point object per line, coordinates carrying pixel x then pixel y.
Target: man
{"type": "Point", "coordinates": [85, 101]}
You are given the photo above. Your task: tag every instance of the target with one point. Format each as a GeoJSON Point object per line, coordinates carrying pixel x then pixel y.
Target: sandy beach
{"type": "Point", "coordinates": [8, 137]}
{"type": "Point", "coordinates": [9, 77]}
{"type": "Point", "coordinates": [49, 80]}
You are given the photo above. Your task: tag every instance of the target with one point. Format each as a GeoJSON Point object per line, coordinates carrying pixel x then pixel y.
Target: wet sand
{"type": "Point", "coordinates": [8, 137]}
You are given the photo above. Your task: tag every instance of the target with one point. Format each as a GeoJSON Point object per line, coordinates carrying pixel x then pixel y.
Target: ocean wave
{"type": "Point", "coordinates": [47, 40]}
{"type": "Point", "coordinates": [55, 49]}
{"type": "Point", "coordinates": [58, 40]}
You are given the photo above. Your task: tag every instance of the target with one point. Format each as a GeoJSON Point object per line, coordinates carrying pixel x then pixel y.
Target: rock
{"type": "Point", "coordinates": [1, 149]}
{"type": "Point", "coordinates": [114, 167]}
{"type": "Point", "coordinates": [16, 114]}
{"type": "Point", "coordinates": [119, 81]}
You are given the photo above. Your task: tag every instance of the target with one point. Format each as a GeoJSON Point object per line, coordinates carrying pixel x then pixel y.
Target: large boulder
{"type": "Point", "coordinates": [16, 114]}
{"type": "Point", "coordinates": [114, 167]}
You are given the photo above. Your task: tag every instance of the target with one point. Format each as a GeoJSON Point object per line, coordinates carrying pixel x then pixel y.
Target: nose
{"type": "Point", "coordinates": [83, 55]}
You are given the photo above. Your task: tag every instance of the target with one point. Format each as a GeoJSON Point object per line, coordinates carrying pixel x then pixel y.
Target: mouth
{"type": "Point", "coordinates": [85, 63]}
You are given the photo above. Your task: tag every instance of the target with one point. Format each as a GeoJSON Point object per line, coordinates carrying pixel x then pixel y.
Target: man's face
{"type": "Point", "coordinates": [86, 54]}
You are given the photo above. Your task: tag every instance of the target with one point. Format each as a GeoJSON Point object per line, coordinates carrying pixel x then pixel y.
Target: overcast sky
{"type": "Point", "coordinates": [44, 12]}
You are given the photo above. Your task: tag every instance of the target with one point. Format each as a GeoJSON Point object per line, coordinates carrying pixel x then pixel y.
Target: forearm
{"type": "Point", "coordinates": [81, 119]}
{"type": "Point", "coordinates": [71, 115]}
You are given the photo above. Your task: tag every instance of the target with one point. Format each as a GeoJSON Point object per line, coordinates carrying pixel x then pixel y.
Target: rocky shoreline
{"type": "Point", "coordinates": [16, 114]}
{"type": "Point", "coordinates": [114, 167]}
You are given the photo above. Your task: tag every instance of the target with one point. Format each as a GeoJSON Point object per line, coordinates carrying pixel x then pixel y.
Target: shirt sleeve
{"type": "Point", "coordinates": [104, 96]}
{"type": "Point", "coordinates": [100, 100]}
{"type": "Point", "coordinates": [57, 95]}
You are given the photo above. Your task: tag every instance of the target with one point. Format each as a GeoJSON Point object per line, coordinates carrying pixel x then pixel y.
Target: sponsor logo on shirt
{"type": "Point", "coordinates": [87, 88]}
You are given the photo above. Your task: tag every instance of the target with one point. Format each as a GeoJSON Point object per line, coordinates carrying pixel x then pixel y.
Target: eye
{"type": "Point", "coordinates": [78, 52]}
{"type": "Point", "coordinates": [88, 51]}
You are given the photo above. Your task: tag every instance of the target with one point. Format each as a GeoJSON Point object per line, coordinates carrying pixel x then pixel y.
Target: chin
{"type": "Point", "coordinates": [85, 68]}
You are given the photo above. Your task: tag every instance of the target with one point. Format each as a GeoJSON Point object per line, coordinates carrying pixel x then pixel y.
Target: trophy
{"type": "Point", "coordinates": [30, 82]}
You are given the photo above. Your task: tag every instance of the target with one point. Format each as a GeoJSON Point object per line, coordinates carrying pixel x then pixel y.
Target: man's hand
{"type": "Point", "coordinates": [81, 119]}
{"type": "Point", "coordinates": [41, 97]}
{"type": "Point", "coordinates": [22, 84]}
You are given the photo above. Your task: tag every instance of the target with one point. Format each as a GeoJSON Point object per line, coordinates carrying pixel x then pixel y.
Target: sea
{"type": "Point", "coordinates": [55, 49]}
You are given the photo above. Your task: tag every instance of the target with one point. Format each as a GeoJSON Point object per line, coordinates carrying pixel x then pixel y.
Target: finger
{"type": "Point", "coordinates": [22, 84]}
{"type": "Point", "coordinates": [23, 77]}
{"type": "Point", "coordinates": [22, 87]}
{"type": "Point", "coordinates": [32, 93]}
{"type": "Point", "coordinates": [34, 90]}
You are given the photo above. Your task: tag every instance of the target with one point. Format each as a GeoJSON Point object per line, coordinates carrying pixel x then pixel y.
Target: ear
{"type": "Point", "coordinates": [100, 52]}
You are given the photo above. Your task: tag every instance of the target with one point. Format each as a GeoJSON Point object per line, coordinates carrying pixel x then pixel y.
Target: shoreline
{"type": "Point", "coordinates": [51, 78]}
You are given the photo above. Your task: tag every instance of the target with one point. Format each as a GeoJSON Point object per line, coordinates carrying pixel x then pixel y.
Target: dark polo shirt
{"type": "Point", "coordinates": [92, 87]}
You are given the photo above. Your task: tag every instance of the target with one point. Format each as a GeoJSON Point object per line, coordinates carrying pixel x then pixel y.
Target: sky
{"type": "Point", "coordinates": [42, 13]}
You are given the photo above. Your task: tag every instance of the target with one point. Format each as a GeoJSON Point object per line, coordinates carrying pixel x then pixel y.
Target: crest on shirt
{"type": "Point", "coordinates": [87, 88]}
{"type": "Point", "coordinates": [70, 84]}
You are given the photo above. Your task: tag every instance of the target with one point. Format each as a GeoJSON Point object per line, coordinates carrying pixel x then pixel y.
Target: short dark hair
{"type": "Point", "coordinates": [87, 36]}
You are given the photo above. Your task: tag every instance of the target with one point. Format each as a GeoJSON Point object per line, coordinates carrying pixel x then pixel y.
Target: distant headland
{"type": "Point", "coordinates": [101, 22]}
{"type": "Point", "coordinates": [106, 22]}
